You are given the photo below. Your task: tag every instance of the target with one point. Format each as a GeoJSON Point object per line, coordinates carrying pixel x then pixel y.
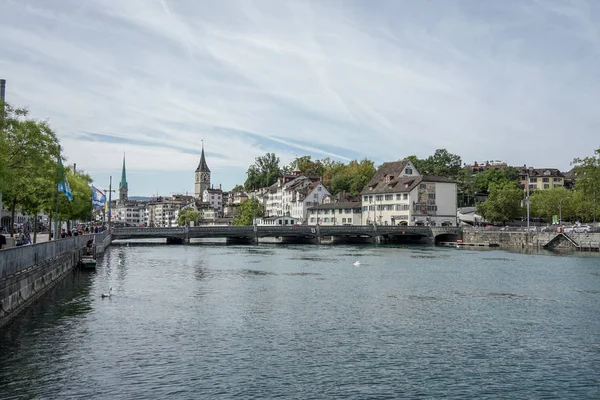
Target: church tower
{"type": "Point", "coordinates": [202, 181]}
{"type": "Point", "coordinates": [123, 185]}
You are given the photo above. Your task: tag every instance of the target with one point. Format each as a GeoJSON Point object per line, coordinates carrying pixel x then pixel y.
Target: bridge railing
{"type": "Point", "coordinates": [149, 231]}
{"type": "Point", "coordinates": [16, 259]}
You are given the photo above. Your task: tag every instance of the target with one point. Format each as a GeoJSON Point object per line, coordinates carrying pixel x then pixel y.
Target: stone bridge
{"type": "Point", "coordinates": [300, 232]}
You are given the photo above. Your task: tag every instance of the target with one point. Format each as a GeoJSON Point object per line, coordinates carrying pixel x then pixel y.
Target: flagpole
{"type": "Point", "coordinates": [56, 215]}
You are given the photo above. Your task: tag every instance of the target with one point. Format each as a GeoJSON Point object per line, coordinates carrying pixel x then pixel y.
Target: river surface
{"type": "Point", "coordinates": [303, 322]}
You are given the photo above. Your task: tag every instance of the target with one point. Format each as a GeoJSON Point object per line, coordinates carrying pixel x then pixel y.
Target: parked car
{"type": "Point", "coordinates": [567, 229]}
{"type": "Point", "coordinates": [582, 228]}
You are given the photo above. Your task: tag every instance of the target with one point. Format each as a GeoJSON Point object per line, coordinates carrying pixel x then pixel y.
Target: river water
{"type": "Point", "coordinates": [255, 322]}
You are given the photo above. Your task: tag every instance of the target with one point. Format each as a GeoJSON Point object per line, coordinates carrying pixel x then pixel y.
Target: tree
{"type": "Point", "coordinates": [264, 172]}
{"type": "Point", "coordinates": [503, 203]}
{"type": "Point", "coordinates": [29, 148]}
{"type": "Point", "coordinates": [248, 209]}
{"type": "Point", "coordinates": [466, 187]}
{"type": "Point", "coordinates": [587, 186]}
{"type": "Point", "coordinates": [351, 178]}
{"type": "Point", "coordinates": [441, 163]}
{"type": "Point", "coordinates": [237, 188]}
{"type": "Point", "coordinates": [188, 215]}
{"type": "Point", "coordinates": [556, 201]}
{"type": "Point", "coordinates": [307, 167]}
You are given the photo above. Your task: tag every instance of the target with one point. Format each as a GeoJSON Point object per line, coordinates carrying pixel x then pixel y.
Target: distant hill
{"type": "Point", "coordinates": [139, 198]}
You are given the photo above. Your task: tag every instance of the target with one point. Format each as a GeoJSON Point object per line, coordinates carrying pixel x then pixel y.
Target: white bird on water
{"type": "Point", "coordinates": [107, 294]}
{"type": "Point", "coordinates": [356, 263]}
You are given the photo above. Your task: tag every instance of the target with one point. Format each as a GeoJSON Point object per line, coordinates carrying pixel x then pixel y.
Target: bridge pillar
{"type": "Point", "coordinates": [186, 238]}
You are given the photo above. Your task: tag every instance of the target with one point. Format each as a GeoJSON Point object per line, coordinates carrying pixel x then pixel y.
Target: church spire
{"type": "Point", "coordinates": [202, 166]}
{"type": "Point", "coordinates": [123, 183]}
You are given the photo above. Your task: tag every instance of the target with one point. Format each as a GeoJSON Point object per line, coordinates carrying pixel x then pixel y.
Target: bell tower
{"type": "Point", "coordinates": [202, 181]}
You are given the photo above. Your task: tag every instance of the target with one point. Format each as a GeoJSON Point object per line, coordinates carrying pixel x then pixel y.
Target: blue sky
{"type": "Point", "coordinates": [489, 80]}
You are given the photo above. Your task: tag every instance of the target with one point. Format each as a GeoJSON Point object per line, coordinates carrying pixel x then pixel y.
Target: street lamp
{"type": "Point", "coordinates": [560, 209]}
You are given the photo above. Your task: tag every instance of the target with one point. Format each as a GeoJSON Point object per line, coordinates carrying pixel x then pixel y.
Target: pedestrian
{"type": "Point", "coordinates": [2, 241]}
{"type": "Point", "coordinates": [27, 238]}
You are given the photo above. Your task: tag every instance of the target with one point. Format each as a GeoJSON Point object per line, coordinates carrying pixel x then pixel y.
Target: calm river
{"type": "Point", "coordinates": [258, 322]}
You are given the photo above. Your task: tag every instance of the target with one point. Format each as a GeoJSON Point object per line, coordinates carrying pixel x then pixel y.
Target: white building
{"type": "Point", "coordinates": [277, 221]}
{"type": "Point", "coordinates": [214, 197]}
{"type": "Point", "coordinates": [163, 212]}
{"type": "Point", "coordinates": [341, 213]}
{"type": "Point", "coordinates": [292, 195]}
{"type": "Point", "coordinates": [397, 194]}
{"type": "Point", "coordinates": [130, 213]}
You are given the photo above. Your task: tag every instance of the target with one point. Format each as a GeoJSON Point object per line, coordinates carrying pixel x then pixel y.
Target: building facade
{"type": "Point", "coordinates": [541, 178]}
{"type": "Point", "coordinates": [398, 195]}
{"type": "Point", "coordinates": [336, 213]}
{"type": "Point", "coordinates": [292, 195]}
{"type": "Point", "coordinates": [214, 197]}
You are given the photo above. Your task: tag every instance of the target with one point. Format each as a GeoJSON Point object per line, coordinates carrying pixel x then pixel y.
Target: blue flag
{"type": "Point", "coordinates": [63, 184]}
{"type": "Point", "coordinates": [98, 198]}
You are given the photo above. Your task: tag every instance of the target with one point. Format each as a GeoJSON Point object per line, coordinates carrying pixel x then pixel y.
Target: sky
{"type": "Point", "coordinates": [514, 80]}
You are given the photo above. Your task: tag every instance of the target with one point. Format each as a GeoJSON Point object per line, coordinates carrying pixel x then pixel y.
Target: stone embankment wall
{"type": "Point", "coordinates": [27, 272]}
{"type": "Point", "coordinates": [526, 239]}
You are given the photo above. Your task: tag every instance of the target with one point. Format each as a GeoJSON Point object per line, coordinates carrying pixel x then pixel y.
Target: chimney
{"type": "Point", "coordinates": [220, 186]}
{"type": "Point", "coordinates": [74, 167]}
{"type": "Point", "coordinates": [2, 90]}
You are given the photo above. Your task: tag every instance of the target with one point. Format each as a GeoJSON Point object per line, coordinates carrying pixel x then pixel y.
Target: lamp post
{"type": "Point", "coordinates": [560, 209]}
{"type": "Point", "coordinates": [527, 194]}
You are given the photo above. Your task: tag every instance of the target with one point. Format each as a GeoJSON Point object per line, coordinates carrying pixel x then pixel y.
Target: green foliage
{"type": "Point", "coordinates": [189, 215]}
{"type": "Point", "coordinates": [237, 188]}
{"type": "Point", "coordinates": [246, 211]}
{"type": "Point", "coordinates": [264, 172]}
{"type": "Point", "coordinates": [503, 203]}
{"type": "Point", "coordinates": [351, 178]}
{"type": "Point", "coordinates": [550, 202]}
{"type": "Point", "coordinates": [441, 163]}
{"type": "Point", "coordinates": [28, 153]}
{"type": "Point", "coordinates": [587, 187]}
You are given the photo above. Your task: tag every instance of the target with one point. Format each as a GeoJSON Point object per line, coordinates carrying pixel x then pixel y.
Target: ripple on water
{"type": "Point", "coordinates": [208, 322]}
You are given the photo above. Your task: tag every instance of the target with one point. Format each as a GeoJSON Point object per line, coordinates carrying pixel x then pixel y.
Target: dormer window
{"type": "Point", "coordinates": [547, 172]}
{"type": "Point", "coordinates": [389, 178]}
{"type": "Point", "coordinates": [408, 171]}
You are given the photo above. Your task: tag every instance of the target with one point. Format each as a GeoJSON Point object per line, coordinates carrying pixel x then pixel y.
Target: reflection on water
{"type": "Point", "coordinates": [301, 321]}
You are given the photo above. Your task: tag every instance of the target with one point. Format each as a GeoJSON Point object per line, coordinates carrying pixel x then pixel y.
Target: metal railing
{"type": "Point", "coordinates": [16, 259]}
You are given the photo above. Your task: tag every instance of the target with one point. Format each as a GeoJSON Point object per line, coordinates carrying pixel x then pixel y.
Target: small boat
{"type": "Point", "coordinates": [88, 262]}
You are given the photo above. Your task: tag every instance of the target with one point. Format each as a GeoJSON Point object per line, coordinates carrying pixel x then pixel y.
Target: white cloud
{"type": "Point", "coordinates": [487, 80]}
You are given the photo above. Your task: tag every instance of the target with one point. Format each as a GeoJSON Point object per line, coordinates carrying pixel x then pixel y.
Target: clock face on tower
{"type": "Point", "coordinates": [204, 177]}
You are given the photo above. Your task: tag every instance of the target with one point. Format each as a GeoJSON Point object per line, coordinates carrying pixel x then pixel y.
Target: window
{"type": "Point", "coordinates": [556, 179]}
{"type": "Point", "coordinates": [389, 197]}
{"type": "Point", "coordinates": [423, 186]}
{"type": "Point", "coordinates": [532, 186]}
{"type": "Point", "coordinates": [325, 219]}
{"type": "Point", "coordinates": [532, 180]}
{"type": "Point", "coordinates": [315, 196]}
{"type": "Point", "coordinates": [319, 188]}
{"type": "Point", "coordinates": [545, 180]}
{"type": "Point", "coordinates": [399, 196]}
{"type": "Point", "coordinates": [405, 196]}
{"type": "Point", "coordinates": [378, 197]}
{"type": "Point", "coordinates": [546, 186]}
{"type": "Point", "coordinates": [365, 198]}
{"type": "Point", "coordinates": [431, 196]}
{"type": "Point", "coordinates": [408, 171]}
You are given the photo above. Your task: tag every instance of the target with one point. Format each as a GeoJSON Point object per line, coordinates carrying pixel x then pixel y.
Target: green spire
{"type": "Point", "coordinates": [123, 183]}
